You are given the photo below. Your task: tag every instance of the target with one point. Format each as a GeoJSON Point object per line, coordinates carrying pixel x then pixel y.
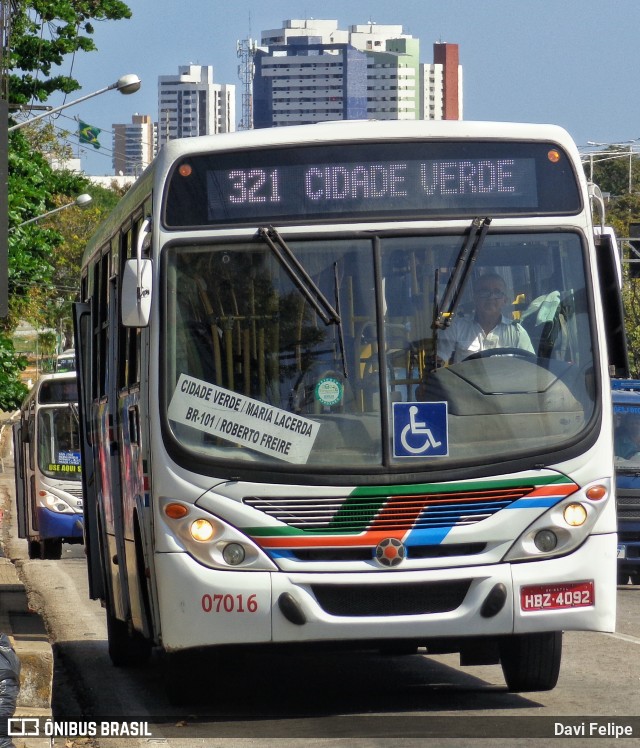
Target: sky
{"type": "Point", "coordinates": [573, 63]}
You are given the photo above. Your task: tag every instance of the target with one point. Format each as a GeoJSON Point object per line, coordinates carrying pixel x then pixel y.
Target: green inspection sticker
{"type": "Point", "coordinates": [329, 391]}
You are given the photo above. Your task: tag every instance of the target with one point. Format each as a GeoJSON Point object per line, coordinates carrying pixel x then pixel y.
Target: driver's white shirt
{"type": "Point", "coordinates": [465, 336]}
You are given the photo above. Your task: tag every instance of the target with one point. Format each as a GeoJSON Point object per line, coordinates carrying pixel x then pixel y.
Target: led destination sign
{"type": "Point", "coordinates": [358, 184]}
{"type": "Point", "coordinates": [397, 180]}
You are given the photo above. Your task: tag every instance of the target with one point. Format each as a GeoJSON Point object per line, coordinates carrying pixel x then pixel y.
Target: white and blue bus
{"type": "Point", "coordinates": [48, 471]}
{"type": "Point", "coordinates": [275, 450]}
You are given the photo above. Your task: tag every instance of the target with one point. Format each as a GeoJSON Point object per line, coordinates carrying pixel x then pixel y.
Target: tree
{"type": "Point", "coordinates": [610, 170]}
{"type": "Point", "coordinates": [43, 32]}
{"type": "Point", "coordinates": [623, 208]}
{"type": "Point", "coordinates": [12, 391]}
{"type": "Point", "coordinates": [76, 226]}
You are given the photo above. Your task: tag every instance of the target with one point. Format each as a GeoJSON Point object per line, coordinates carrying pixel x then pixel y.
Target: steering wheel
{"type": "Point", "coordinates": [523, 353]}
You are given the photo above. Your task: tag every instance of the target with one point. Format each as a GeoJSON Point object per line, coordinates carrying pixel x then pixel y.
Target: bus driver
{"type": "Point", "coordinates": [489, 328]}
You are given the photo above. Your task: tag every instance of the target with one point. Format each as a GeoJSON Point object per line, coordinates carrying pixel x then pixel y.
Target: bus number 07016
{"type": "Point", "coordinates": [220, 603]}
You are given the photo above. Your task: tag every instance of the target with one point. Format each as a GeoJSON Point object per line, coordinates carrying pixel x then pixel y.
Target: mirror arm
{"type": "Point", "coordinates": [145, 229]}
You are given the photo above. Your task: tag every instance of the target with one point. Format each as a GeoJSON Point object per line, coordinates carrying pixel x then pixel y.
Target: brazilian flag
{"type": "Point", "coordinates": [88, 134]}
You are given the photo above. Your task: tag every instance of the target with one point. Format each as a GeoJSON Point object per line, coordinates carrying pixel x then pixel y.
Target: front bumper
{"type": "Point", "coordinates": [206, 607]}
{"type": "Point", "coordinates": [56, 525]}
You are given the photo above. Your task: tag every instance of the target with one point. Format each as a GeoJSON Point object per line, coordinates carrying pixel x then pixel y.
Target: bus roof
{"type": "Point", "coordinates": [63, 378]}
{"type": "Point", "coordinates": [625, 392]}
{"type": "Point", "coordinates": [628, 385]}
{"type": "Point", "coordinates": [363, 130]}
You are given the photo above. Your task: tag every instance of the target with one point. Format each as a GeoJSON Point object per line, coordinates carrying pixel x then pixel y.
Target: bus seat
{"type": "Point", "coordinates": [545, 321]}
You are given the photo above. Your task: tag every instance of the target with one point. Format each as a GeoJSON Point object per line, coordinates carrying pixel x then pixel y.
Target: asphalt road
{"type": "Point", "coordinates": [357, 699]}
{"type": "Point", "coordinates": [339, 696]}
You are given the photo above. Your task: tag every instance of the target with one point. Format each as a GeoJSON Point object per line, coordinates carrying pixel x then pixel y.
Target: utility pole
{"type": "Point", "coordinates": [8, 9]}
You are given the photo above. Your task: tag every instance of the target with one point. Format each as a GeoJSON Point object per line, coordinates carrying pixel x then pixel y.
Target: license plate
{"type": "Point", "coordinates": [557, 596]}
{"type": "Point", "coordinates": [622, 551]}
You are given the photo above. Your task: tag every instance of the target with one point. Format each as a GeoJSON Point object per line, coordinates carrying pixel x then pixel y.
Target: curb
{"type": "Point", "coordinates": [28, 635]}
{"type": "Point", "coordinates": [24, 627]}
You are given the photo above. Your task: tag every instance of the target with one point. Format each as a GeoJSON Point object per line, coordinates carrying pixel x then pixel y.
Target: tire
{"type": "Point", "coordinates": [635, 579]}
{"type": "Point", "coordinates": [623, 577]}
{"type": "Point", "coordinates": [34, 549]}
{"type": "Point", "coordinates": [185, 682]}
{"type": "Point", "coordinates": [178, 686]}
{"type": "Point", "coordinates": [51, 549]}
{"type": "Point", "coordinates": [126, 649]}
{"type": "Point", "coordinates": [531, 662]}
{"type": "Point", "coordinates": [187, 674]}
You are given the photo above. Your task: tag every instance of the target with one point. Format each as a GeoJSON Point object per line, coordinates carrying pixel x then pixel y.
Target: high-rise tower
{"type": "Point", "coordinates": [191, 104]}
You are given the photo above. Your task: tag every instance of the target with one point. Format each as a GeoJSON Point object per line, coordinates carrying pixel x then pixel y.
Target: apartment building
{"type": "Point", "coordinates": [311, 71]}
{"type": "Point", "coordinates": [393, 80]}
{"type": "Point", "coordinates": [191, 104]}
{"type": "Point", "coordinates": [441, 84]}
{"type": "Point", "coordinates": [133, 145]}
{"type": "Point", "coordinates": [308, 81]}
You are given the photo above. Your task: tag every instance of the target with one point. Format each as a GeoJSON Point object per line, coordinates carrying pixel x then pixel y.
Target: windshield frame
{"type": "Point", "coordinates": [388, 471]}
{"type": "Point", "coordinates": [43, 466]}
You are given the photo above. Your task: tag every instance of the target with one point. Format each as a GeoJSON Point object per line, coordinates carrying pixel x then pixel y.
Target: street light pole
{"type": "Point", "coordinates": [82, 201]}
{"type": "Point", "coordinates": [127, 84]}
{"type": "Point", "coordinates": [616, 154]}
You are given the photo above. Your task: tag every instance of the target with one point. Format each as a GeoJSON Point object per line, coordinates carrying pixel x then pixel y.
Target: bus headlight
{"type": "Point", "coordinates": [575, 514]}
{"type": "Point", "coordinates": [202, 530]}
{"type": "Point", "coordinates": [563, 527]}
{"type": "Point", "coordinates": [210, 540]}
{"type": "Point", "coordinates": [55, 503]}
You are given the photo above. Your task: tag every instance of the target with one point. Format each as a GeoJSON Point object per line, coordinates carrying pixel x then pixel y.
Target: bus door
{"type": "Point", "coordinates": [610, 279]}
{"type": "Point", "coordinates": [127, 341]}
{"type": "Point", "coordinates": [31, 502]}
{"type": "Point", "coordinates": [110, 448]}
{"type": "Point", "coordinates": [20, 478]}
{"type": "Point", "coordinates": [101, 424]}
{"type": "Point", "coordinates": [82, 332]}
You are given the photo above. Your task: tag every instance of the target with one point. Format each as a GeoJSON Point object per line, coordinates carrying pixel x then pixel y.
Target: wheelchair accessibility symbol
{"type": "Point", "coordinates": [420, 429]}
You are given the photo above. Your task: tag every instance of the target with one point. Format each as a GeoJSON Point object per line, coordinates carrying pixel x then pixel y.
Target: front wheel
{"type": "Point", "coordinates": [127, 648]}
{"type": "Point", "coordinates": [187, 674]}
{"type": "Point", "coordinates": [623, 577]}
{"type": "Point", "coordinates": [531, 662]}
{"type": "Point", "coordinates": [51, 549]}
{"type": "Point", "coordinates": [34, 549]}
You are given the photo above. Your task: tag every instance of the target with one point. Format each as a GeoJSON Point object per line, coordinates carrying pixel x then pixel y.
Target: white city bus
{"type": "Point", "coordinates": [46, 444]}
{"type": "Point", "coordinates": [275, 450]}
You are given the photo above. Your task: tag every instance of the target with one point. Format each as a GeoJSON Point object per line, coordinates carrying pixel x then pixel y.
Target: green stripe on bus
{"type": "Point", "coordinates": [402, 490]}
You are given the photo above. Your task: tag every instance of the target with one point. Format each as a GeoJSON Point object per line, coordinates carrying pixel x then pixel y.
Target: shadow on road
{"type": "Point", "coordinates": [263, 685]}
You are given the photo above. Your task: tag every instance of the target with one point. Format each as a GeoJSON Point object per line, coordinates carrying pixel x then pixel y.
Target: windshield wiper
{"type": "Point", "coordinates": [302, 280]}
{"type": "Point", "coordinates": [445, 311]}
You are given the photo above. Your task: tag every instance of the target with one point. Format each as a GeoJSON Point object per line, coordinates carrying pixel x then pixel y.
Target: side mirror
{"type": "Point", "coordinates": [136, 295]}
{"type": "Point", "coordinates": [136, 283]}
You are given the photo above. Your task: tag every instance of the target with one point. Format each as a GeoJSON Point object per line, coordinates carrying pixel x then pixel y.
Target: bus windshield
{"type": "Point", "coordinates": [254, 374]}
{"type": "Point", "coordinates": [59, 443]}
{"type": "Point", "coordinates": [626, 425]}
